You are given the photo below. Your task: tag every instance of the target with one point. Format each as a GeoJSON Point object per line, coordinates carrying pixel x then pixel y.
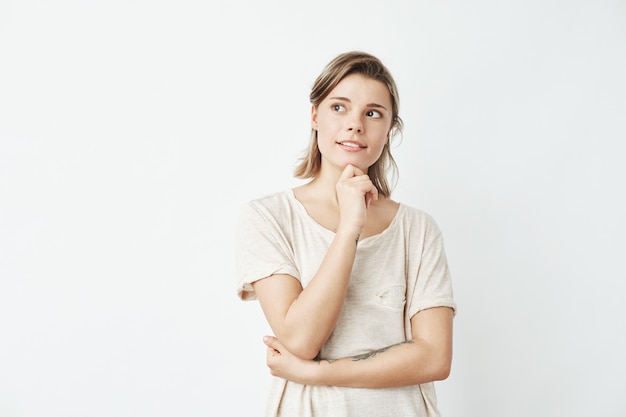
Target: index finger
{"type": "Point", "coordinates": [350, 171]}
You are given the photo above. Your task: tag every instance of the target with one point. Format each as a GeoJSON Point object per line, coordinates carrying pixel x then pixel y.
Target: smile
{"type": "Point", "coordinates": [352, 144]}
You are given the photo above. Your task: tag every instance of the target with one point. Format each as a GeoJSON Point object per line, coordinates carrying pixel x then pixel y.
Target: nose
{"type": "Point", "coordinates": [355, 125]}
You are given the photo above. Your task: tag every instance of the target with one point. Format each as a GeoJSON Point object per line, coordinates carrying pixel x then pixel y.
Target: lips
{"type": "Point", "coordinates": [352, 144]}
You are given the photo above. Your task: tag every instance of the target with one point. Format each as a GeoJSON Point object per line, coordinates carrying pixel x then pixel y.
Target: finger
{"type": "Point", "coordinates": [272, 343]}
{"type": "Point", "coordinates": [374, 193]}
{"type": "Point", "coordinates": [371, 195]}
{"type": "Point", "coordinates": [350, 171]}
{"type": "Point", "coordinates": [357, 171]}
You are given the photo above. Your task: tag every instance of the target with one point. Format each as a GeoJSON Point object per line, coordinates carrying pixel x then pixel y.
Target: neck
{"type": "Point", "coordinates": [324, 186]}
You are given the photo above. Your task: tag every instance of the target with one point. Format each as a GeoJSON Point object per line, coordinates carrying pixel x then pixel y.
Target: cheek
{"type": "Point", "coordinates": [382, 135]}
{"type": "Point", "coordinates": [323, 139]}
{"type": "Point", "coordinates": [383, 139]}
{"type": "Point", "coordinates": [380, 150]}
{"type": "Point", "coordinates": [326, 132]}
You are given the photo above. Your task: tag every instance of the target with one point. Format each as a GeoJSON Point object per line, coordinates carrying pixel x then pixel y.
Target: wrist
{"type": "Point", "coordinates": [352, 233]}
{"type": "Point", "coordinates": [315, 371]}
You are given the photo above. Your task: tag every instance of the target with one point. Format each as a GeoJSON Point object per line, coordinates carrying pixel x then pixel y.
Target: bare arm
{"type": "Point", "coordinates": [303, 319]}
{"type": "Point", "coordinates": [426, 357]}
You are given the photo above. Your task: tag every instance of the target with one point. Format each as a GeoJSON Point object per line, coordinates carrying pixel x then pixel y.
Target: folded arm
{"type": "Point", "coordinates": [303, 319]}
{"type": "Point", "coordinates": [426, 357]}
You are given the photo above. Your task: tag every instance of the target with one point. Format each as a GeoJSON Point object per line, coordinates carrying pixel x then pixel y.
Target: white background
{"type": "Point", "coordinates": [132, 131]}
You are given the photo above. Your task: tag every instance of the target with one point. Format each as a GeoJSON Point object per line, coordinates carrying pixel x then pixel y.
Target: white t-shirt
{"type": "Point", "coordinates": [395, 274]}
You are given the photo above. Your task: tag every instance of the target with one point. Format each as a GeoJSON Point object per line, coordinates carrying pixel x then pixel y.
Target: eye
{"type": "Point", "coordinates": [374, 114]}
{"type": "Point", "coordinates": [338, 108]}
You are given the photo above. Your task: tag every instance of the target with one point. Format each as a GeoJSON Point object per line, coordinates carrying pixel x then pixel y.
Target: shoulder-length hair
{"type": "Point", "coordinates": [340, 67]}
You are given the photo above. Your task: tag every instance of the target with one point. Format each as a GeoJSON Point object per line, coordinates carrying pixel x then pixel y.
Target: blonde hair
{"type": "Point", "coordinates": [340, 67]}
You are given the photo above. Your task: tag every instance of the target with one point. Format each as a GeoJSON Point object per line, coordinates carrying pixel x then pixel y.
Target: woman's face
{"type": "Point", "coordinates": [353, 123]}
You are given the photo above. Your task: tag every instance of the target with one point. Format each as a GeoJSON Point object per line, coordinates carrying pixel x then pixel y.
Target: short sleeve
{"type": "Point", "coordinates": [432, 286]}
{"type": "Point", "coordinates": [261, 249]}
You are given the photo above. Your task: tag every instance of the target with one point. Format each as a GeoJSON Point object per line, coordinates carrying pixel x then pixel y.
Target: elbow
{"type": "Point", "coordinates": [442, 372]}
{"type": "Point", "coordinates": [304, 346]}
{"type": "Point", "coordinates": [438, 367]}
{"type": "Point", "coordinates": [441, 360]}
{"type": "Point", "coordinates": [306, 354]}
{"type": "Point", "coordinates": [431, 374]}
{"type": "Point", "coordinates": [442, 367]}
{"type": "Point", "coordinates": [301, 349]}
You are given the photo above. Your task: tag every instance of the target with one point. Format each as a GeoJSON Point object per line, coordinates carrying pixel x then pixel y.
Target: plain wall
{"type": "Point", "coordinates": [132, 131]}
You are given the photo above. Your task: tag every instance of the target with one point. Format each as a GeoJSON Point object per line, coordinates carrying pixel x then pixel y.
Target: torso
{"type": "Point", "coordinates": [390, 281]}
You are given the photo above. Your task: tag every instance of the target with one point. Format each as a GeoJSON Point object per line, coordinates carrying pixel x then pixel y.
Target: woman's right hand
{"type": "Point", "coordinates": [355, 191]}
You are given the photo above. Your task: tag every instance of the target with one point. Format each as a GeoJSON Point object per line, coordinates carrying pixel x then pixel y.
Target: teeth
{"type": "Point", "coordinates": [352, 145]}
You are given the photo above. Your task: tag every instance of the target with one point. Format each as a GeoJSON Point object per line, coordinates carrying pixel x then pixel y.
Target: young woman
{"type": "Point", "coordinates": [354, 285]}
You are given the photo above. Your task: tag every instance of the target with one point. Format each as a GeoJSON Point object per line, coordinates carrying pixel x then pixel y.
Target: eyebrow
{"type": "Point", "coordinates": [350, 101]}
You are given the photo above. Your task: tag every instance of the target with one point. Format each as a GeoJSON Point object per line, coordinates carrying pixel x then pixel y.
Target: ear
{"type": "Point", "coordinates": [313, 118]}
{"type": "Point", "coordinates": [389, 133]}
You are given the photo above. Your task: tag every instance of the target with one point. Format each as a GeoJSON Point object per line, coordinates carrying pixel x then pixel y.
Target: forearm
{"type": "Point", "coordinates": [408, 363]}
{"type": "Point", "coordinates": [312, 316]}
{"type": "Point", "coordinates": [303, 317]}
{"type": "Point", "coordinates": [425, 358]}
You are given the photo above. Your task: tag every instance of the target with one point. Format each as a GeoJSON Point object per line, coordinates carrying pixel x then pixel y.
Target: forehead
{"type": "Point", "coordinates": [357, 87]}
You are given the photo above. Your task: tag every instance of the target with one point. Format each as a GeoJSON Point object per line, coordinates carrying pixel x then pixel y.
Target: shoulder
{"type": "Point", "coordinates": [415, 214]}
{"type": "Point", "coordinates": [417, 219]}
{"type": "Point", "coordinates": [269, 202]}
{"type": "Point", "coordinates": [272, 209]}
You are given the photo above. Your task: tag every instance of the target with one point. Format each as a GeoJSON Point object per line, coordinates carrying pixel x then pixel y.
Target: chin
{"type": "Point", "coordinates": [357, 162]}
{"type": "Point", "coordinates": [363, 167]}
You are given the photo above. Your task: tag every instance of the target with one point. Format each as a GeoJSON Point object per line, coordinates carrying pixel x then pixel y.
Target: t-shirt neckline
{"type": "Point", "coordinates": [292, 196]}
